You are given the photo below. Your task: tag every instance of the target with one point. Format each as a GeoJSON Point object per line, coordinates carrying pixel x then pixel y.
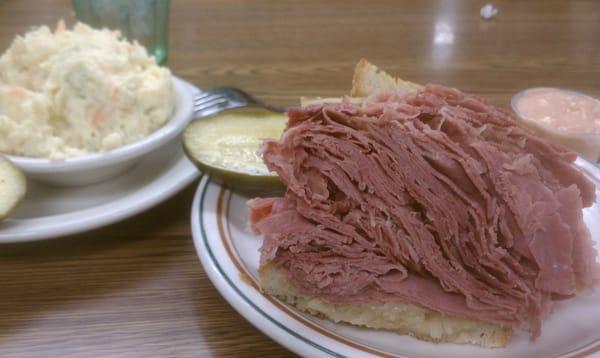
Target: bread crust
{"type": "Point", "coordinates": [402, 317]}
{"type": "Point", "coordinates": [368, 80]}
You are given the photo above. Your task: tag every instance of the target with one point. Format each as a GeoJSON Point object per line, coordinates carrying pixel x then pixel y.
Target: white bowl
{"type": "Point", "coordinates": [97, 167]}
{"type": "Point", "coordinates": [586, 144]}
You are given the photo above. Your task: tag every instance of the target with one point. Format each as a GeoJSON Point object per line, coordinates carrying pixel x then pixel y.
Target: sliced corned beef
{"type": "Point", "coordinates": [435, 198]}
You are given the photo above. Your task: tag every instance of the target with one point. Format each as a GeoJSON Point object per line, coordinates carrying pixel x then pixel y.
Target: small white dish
{"type": "Point", "coordinates": [50, 211]}
{"type": "Point", "coordinates": [97, 167]}
{"type": "Point", "coordinates": [230, 257]}
{"type": "Point", "coordinates": [586, 144]}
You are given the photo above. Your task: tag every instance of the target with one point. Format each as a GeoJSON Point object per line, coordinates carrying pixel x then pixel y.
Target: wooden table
{"type": "Point", "coordinates": [136, 288]}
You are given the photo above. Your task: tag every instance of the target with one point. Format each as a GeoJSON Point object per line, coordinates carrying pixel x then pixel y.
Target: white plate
{"type": "Point", "coordinates": [50, 212]}
{"type": "Point", "coordinates": [230, 257]}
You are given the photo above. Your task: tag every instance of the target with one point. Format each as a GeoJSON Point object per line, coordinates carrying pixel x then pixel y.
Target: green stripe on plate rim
{"type": "Point", "coordinates": [239, 292]}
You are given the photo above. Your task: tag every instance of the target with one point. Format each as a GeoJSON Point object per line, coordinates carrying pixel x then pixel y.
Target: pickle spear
{"type": "Point", "coordinates": [226, 147]}
{"type": "Point", "coordinates": [12, 187]}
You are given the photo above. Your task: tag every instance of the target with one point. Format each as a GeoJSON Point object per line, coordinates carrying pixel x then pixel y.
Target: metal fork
{"type": "Point", "coordinates": [211, 102]}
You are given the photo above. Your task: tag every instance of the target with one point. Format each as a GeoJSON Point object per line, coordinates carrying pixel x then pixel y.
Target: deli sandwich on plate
{"type": "Point", "coordinates": [423, 210]}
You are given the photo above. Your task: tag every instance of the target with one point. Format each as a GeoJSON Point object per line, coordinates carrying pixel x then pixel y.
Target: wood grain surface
{"type": "Point", "coordinates": [136, 288]}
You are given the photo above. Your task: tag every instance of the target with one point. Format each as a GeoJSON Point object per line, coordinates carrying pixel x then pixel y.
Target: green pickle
{"type": "Point", "coordinates": [226, 146]}
{"type": "Point", "coordinates": [12, 187]}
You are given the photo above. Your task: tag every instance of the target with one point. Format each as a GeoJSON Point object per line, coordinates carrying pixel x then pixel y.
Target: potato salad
{"type": "Point", "coordinates": [71, 92]}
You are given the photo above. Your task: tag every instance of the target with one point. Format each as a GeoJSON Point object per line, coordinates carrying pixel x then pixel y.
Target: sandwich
{"type": "Point", "coordinates": [422, 210]}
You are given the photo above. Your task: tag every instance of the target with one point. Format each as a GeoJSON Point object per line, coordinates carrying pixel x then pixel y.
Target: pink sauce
{"type": "Point", "coordinates": [560, 109]}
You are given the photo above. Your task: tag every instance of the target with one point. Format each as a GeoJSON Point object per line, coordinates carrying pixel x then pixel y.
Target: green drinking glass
{"type": "Point", "coordinates": [146, 21]}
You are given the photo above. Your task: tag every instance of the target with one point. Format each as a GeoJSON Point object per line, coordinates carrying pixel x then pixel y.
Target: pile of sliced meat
{"type": "Point", "coordinates": [435, 198]}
